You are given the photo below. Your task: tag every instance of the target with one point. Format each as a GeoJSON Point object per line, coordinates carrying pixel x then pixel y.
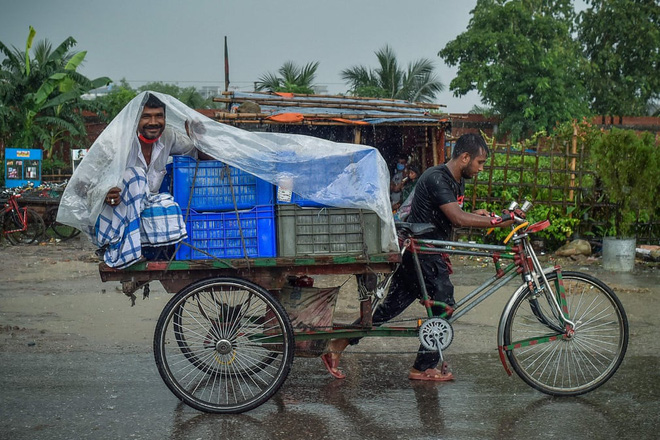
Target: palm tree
{"type": "Point", "coordinates": [417, 83]}
{"type": "Point", "coordinates": [40, 97]}
{"type": "Point", "coordinates": [293, 79]}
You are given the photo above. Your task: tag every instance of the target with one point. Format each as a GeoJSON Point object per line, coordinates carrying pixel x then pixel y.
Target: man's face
{"type": "Point", "coordinates": [152, 122]}
{"type": "Point", "coordinates": [475, 165]}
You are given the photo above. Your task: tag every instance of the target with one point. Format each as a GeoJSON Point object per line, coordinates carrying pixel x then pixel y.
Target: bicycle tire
{"type": "Point", "coordinates": [35, 227]}
{"type": "Point", "coordinates": [567, 366]}
{"type": "Point", "coordinates": [62, 231]}
{"type": "Point", "coordinates": [211, 332]}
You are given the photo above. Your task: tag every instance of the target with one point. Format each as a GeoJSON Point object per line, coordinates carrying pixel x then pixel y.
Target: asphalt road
{"type": "Point", "coordinates": [120, 396]}
{"type": "Point", "coordinates": [75, 363]}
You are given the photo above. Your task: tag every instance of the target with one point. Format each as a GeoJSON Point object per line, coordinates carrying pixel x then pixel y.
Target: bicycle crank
{"type": "Point", "coordinates": [436, 331]}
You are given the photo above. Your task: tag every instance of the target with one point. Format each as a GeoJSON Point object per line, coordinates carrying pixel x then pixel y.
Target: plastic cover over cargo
{"type": "Point", "coordinates": [335, 174]}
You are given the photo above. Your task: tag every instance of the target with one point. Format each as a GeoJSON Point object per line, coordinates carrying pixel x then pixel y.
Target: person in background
{"type": "Point", "coordinates": [407, 185]}
{"type": "Point", "coordinates": [395, 182]}
{"type": "Point", "coordinates": [438, 199]}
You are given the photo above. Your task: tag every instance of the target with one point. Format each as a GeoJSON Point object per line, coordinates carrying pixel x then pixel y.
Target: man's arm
{"type": "Point", "coordinates": [462, 219]}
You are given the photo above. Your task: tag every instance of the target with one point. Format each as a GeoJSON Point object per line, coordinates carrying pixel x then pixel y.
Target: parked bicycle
{"type": "Point", "coordinates": [21, 225]}
{"type": "Point", "coordinates": [60, 230]}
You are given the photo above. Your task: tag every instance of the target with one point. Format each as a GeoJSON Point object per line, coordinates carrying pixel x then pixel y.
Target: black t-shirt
{"type": "Point", "coordinates": [435, 188]}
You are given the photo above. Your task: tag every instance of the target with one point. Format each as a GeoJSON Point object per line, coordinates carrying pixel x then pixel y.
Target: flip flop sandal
{"type": "Point", "coordinates": [432, 374]}
{"type": "Point", "coordinates": [332, 364]}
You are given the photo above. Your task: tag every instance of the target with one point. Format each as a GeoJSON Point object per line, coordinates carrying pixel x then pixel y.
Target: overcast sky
{"type": "Point", "coordinates": [177, 41]}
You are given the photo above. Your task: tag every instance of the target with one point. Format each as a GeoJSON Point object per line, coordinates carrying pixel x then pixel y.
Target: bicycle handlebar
{"type": "Point", "coordinates": [515, 212]}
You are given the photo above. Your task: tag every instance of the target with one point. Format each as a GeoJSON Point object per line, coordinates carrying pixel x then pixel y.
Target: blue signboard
{"type": "Point", "coordinates": [22, 166]}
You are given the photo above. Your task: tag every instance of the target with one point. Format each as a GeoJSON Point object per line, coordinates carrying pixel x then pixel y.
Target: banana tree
{"type": "Point", "coordinates": [41, 97]}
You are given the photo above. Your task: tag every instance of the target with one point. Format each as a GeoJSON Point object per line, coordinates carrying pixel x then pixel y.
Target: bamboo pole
{"type": "Point", "coordinates": [434, 147]}
{"type": "Point", "coordinates": [357, 135]}
{"type": "Point", "coordinates": [356, 98]}
{"type": "Point", "coordinates": [306, 104]}
{"type": "Point", "coordinates": [572, 165]}
{"type": "Point", "coordinates": [228, 115]}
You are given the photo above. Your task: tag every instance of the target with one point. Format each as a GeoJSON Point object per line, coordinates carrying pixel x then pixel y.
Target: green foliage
{"type": "Point", "coordinates": [111, 104]}
{"type": "Point", "coordinates": [188, 95]}
{"type": "Point", "coordinates": [418, 83]}
{"type": "Point", "coordinates": [40, 95]}
{"type": "Point", "coordinates": [521, 58]}
{"type": "Point", "coordinates": [51, 165]}
{"type": "Point", "coordinates": [629, 166]}
{"type": "Point", "coordinates": [621, 38]}
{"type": "Point", "coordinates": [293, 79]}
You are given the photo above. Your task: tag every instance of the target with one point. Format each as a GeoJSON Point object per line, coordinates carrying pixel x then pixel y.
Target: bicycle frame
{"type": "Point", "coordinates": [524, 263]}
{"type": "Point", "coordinates": [12, 206]}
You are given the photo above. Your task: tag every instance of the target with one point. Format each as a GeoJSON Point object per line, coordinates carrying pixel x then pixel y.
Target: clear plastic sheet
{"type": "Point", "coordinates": [336, 174]}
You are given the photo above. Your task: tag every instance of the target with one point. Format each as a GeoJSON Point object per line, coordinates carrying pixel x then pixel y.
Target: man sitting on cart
{"type": "Point", "coordinates": [438, 199]}
{"type": "Point", "coordinates": [136, 219]}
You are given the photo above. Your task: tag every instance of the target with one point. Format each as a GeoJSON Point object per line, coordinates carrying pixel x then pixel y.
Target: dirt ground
{"type": "Point", "coordinates": [52, 300]}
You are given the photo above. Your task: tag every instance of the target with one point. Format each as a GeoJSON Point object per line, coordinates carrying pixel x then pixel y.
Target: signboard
{"type": "Point", "coordinates": [77, 157]}
{"type": "Point", "coordinates": [22, 166]}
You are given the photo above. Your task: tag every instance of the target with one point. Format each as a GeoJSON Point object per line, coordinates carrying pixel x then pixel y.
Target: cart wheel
{"type": "Point", "coordinates": [224, 345]}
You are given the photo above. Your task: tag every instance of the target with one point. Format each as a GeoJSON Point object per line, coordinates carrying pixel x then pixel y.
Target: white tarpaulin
{"type": "Point", "coordinates": [335, 174]}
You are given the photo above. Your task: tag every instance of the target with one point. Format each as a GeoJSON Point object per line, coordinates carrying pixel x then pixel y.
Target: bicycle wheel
{"type": "Point", "coordinates": [251, 365]}
{"type": "Point", "coordinates": [13, 222]}
{"type": "Point", "coordinates": [557, 363]}
{"type": "Point", "coordinates": [224, 345]}
{"type": "Point", "coordinates": [60, 230]}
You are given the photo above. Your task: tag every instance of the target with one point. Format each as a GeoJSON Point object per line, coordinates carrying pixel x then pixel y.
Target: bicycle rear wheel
{"type": "Point", "coordinates": [62, 231]}
{"type": "Point", "coordinates": [224, 345]}
{"type": "Point", "coordinates": [12, 222]}
{"type": "Point", "coordinates": [557, 363]}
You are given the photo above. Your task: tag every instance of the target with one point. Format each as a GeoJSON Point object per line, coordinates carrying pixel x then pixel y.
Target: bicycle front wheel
{"type": "Point", "coordinates": [224, 345]}
{"type": "Point", "coordinates": [557, 362]}
{"type": "Point", "coordinates": [13, 226]}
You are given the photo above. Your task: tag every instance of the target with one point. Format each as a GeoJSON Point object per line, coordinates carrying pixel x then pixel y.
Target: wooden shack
{"type": "Point", "coordinates": [395, 127]}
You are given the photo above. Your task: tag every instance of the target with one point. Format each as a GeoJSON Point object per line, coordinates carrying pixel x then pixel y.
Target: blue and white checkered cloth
{"type": "Point", "coordinates": [140, 218]}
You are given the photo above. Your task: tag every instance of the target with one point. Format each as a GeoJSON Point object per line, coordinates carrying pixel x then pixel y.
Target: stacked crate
{"type": "Point", "coordinates": [228, 210]}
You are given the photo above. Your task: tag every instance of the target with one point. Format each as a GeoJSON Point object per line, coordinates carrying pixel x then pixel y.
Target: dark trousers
{"type": "Point", "coordinates": [405, 289]}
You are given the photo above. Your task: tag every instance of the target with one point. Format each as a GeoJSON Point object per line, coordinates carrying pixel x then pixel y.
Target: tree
{"type": "Point", "coordinates": [521, 58]}
{"type": "Point", "coordinates": [111, 104]}
{"type": "Point", "coordinates": [188, 95]}
{"type": "Point", "coordinates": [40, 96]}
{"type": "Point", "coordinates": [621, 39]}
{"type": "Point", "coordinates": [293, 79]}
{"type": "Point", "coordinates": [415, 84]}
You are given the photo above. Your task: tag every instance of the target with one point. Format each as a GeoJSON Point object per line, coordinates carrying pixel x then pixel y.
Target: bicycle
{"type": "Point", "coordinates": [564, 333]}
{"type": "Point", "coordinates": [62, 231]}
{"type": "Point", "coordinates": [20, 225]}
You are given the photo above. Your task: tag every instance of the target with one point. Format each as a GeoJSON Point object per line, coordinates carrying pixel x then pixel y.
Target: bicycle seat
{"type": "Point", "coordinates": [414, 229]}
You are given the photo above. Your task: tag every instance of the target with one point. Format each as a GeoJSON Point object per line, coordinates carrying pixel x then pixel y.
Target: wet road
{"type": "Point", "coordinates": [61, 380]}
{"type": "Point", "coordinates": [121, 396]}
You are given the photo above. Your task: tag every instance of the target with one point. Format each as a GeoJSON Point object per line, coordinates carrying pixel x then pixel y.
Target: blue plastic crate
{"type": "Point", "coordinates": [218, 234]}
{"type": "Point", "coordinates": [213, 189]}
